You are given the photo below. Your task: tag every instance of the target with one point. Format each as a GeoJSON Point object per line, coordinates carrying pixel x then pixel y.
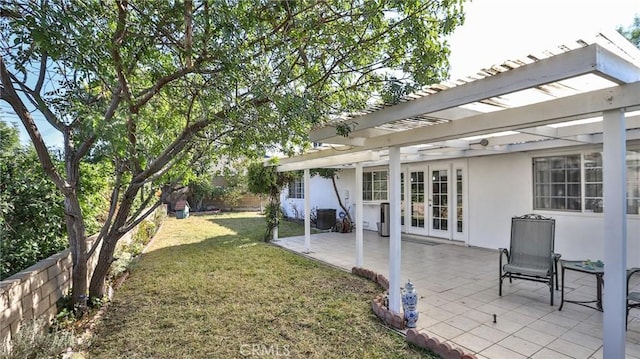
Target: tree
{"type": "Point", "coordinates": [235, 188]}
{"type": "Point", "coordinates": [632, 33]}
{"type": "Point", "coordinates": [154, 86]}
{"type": "Point", "coordinates": [265, 180]}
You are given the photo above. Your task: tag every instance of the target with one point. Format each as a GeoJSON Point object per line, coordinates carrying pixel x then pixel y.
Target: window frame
{"type": "Point", "coordinates": [296, 189]}
{"type": "Point", "coordinates": [594, 180]}
{"type": "Point", "coordinates": [375, 190]}
{"type": "Point", "coordinates": [558, 182]}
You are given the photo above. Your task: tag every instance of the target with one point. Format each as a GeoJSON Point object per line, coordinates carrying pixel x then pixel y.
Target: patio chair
{"type": "Point", "coordinates": [530, 255]}
{"type": "Point", "coordinates": [633, 298]}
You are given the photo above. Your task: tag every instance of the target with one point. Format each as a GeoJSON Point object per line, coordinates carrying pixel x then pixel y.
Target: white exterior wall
{"type": "Point", "coordinates": [500, 187]}
{"type": "Point", "coordinates": [322, 195]}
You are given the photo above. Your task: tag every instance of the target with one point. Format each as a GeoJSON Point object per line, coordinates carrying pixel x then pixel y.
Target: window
{"type": "Point", "coordinates": [557, 183]}
{"type": "Point", "coordinates": [296, 188]}
{"type": "Point", "coordinates": [593, 182]}
{"type": "Point", "coordinates": [633, 182]}
{"type": "Point", "coordinates": [418, 189]}
{"type": "Point", "coordinates": [402, 199]}
{"type": "Point", "coordinates": [459, 206]}
{"type": "Point", "coordinates": [374, 186]}
{"type": "Point", "coordinates": [574, 182]}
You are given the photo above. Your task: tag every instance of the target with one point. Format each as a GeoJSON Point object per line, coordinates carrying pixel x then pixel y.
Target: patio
{"type": "Point", "coordinates": [457, 287]}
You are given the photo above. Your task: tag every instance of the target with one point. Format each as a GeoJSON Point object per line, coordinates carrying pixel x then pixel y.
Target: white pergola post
{"type": "Point", "coordinates": [614, 179]}
{"type": "Point", "coordinates": [307, 212]}
{"type": "Point", "coordinates": [359, 229]}
{"type": "Point", "coordinates": [394, 230]}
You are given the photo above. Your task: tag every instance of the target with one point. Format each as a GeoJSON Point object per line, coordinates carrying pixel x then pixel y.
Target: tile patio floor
{"type": "Point", "coordinates": [458, 291]}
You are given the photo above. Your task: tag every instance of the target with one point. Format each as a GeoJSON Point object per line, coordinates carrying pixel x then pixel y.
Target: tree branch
{"type": "Point", "coordinates": [9, 94]}
{"type": "Point", "coordinates": [42, 73]}
{"type": "Point", "coordinates": [117, 40]}
{"type": "Point", "coordinates": [113, 204]}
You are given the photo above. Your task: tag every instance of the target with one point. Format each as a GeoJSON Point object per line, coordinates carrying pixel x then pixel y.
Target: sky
{"type": "Point", "coordinates": [498, 30]}
{"type": "Point", "coordinates": [495, 31]}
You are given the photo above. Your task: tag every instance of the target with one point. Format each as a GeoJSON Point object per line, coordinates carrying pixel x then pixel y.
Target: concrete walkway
{"type": "Point", "coordinates": [458, 291]}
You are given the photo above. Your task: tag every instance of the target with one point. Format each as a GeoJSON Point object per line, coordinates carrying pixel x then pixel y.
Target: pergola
{"type": "Point", "coordinates": [587, 92]}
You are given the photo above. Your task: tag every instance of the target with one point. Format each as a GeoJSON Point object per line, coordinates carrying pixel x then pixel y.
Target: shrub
{"type": "Point", "coordinates": [34, 342]}
{"type": "Point", "coordinates": [120, 264]}
{"type": "Point", "coordinates": [144, 233]}
{"type": "Point", "coordinates": [125, 253]}
{"type": "Point", "coordinates": [32, 225]}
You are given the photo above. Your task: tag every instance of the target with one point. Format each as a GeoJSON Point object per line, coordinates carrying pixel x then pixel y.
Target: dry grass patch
{"type": "Point", "coordinates": [208, 288]}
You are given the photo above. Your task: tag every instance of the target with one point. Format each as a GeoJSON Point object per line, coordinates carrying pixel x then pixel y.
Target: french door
{"type": "Point", "coordinates": [439, 202]}
{"type": "Point", "coordinates": [436, 200]}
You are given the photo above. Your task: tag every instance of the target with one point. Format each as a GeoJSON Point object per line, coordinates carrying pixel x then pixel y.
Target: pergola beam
{"type": "Point", "coordinates": [549, 112]}
{"type": "Point", "coordinates": [323, 161]}
{"type": "Point", "coordinates": [556, 68]}
{"type": "Point", "coordinates": [584, 105]}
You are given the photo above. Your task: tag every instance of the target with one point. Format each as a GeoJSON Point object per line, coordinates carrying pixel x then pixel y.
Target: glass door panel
{"type": "Point", "coordinates": [417, 192]}
{"type": "Point", "coordinates": [459, 201]}
{"type": "Point", "coordinates": [439, 220]}
{"type": "Point", "coordinates": [402, 210]}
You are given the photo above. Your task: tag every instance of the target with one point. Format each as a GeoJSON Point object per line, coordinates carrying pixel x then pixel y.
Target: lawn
{"type": "Point", "coordinates": [209, 288]}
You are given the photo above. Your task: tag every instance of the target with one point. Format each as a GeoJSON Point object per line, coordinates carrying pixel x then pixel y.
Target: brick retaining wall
{"type": "Point", "coordinates": [33, 292]}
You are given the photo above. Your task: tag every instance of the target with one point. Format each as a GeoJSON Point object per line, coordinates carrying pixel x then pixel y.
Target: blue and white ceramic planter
{"type": "Point", "coordinates": [409, 304]}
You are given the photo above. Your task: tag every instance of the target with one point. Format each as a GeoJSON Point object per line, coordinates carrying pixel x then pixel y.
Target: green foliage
{"type": "Point", "coordinates": [34, 342]}
{"type": "Point", "coordinates": [232, 194]}
{"type": "Point", "coordinates": [69, 312]}
{"type": "Point", "coordinates": [261, 179]}
{"type": "Point", "coordinates": [122, 260]}
{"type": "Point", "coordinates": [157, 86]}
{"type": "Point", "coordinates": [395, 89]}
{"type": "Point", "coordinates": [31, 213]}
{"type": "Point", "coordinates": [9, 139]}
{"type": "Point", "coordinates": [200, 189]}
{"type": "Point", "coordinates": [144, 233]}
{"type": "Point", "coordinates": [32, 210]}
{"type": "Point", "coordinates": [266, 180]}
{"type": "Point", "coordinates": [125, 253]}
{"type": "Point", "coordinates": [236, 182]}
{"type": "Point", "coordinates": [95, 185]}
{"type": "Point", "coordinates": [632, 33]}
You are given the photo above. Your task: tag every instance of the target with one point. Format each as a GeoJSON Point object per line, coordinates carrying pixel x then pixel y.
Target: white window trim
{"type": "Point", "coordinates": [374, 201]}
{"type": "Point", "coordinates": [582, 153]}
{"type": "Point", "coordinates": [294, 184]}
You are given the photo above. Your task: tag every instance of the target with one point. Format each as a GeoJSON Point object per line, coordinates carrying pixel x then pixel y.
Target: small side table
{"type": "Point", "coordinates": [580, 266]}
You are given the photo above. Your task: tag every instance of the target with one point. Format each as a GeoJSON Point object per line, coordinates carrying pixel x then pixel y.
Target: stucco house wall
{"type": "Point", "coordinates": [498, 188]}
{"type": "Point", "coordinates": [322, 195]}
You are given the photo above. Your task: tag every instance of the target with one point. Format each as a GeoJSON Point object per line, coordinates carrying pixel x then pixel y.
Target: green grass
{"type": "Point", "coordinates": [208, 288]}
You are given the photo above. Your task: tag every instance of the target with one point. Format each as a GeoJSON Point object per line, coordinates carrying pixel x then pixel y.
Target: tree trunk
{"type": "Point", "coordinates": [335, 188]}
{"type": "Point", "coordinates": [78, 244]}
{"type": "Point", "coordinates": [97, 287]}
{"type": "Point", "coordinates": [105, 258]}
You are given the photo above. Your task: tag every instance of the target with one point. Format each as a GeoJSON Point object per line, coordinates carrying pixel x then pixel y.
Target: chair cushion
{"type": "Point", "coordinates": [537, 271]}
{"type": "Point", "coordinates": [634, 296]}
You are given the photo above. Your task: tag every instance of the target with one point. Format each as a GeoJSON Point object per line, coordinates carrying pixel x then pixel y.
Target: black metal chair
{"type": "Point", "coordinates": [633, 298]}
{"type": "Point", "coordinates": [531, 252]}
